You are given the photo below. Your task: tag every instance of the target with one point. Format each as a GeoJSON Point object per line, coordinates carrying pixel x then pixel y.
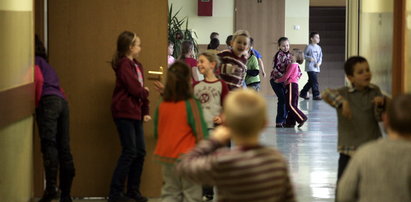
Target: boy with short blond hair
{"type": "Point", "coordinates": [248, 171]}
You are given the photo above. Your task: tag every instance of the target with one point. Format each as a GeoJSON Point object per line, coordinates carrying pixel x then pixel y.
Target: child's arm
{"type": "Point", "coordinates": [334, 98]}
{"type": "Point", "coordinates": [286, 76]}
{"type": "Point", "coordinates": [320, 58]}
{"type": "Point", "coordinates": [307, 54]}
{"type": "Point", "coordinates": [196, 119]}
{"type": "Point", "coordinates": [198, 165]}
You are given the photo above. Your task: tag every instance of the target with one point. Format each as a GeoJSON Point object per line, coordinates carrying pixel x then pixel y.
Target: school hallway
{"type": "Point", "coordinates": [310, 150]}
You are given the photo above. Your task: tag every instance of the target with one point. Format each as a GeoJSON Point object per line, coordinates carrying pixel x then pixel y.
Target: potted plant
{"type": "Point", "coordinates": [177, 34]}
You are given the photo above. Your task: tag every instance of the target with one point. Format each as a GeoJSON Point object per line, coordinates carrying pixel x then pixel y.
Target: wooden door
{"type": "Point", "coordinates": [82, 40]}
{"type": "Point", "coordinates": [264, 19]}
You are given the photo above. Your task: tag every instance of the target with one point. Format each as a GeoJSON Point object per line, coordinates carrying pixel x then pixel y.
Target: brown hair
{"type": "Point", "coordinates": [186, 47]}
{"type": "Point", "coordinates": [124, 41]}
{"type": "Point", "coordinates": [399, 114]}
{"type": "Point", "coordinates": [299, 55]}
{"type": "Point", "coordinates": [178, 85]}
{"type": "Point", "coordinates": [351, 62]}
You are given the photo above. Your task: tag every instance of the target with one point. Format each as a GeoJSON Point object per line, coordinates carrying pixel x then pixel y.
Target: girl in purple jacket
{"type": "Point", "coordinates": [129, 108]}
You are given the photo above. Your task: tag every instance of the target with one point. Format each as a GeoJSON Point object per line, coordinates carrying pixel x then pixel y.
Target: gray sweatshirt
{"type": "Point", "coordinates": [313, 51]}
{"type": "Point", "coordinates": [379, 171]}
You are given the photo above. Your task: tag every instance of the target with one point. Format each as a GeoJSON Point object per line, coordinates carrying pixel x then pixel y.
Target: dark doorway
{"type": "Point", "coordinates": [330, 23]}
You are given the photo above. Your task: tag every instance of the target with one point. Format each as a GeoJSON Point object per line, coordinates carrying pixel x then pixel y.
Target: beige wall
{"type": "Point", "coordinates": [297, 15]}
{"type": "Point", "coordinates": [375, 41]}
{"type": "Point", "coordinates": [222, 20]}
{"type": "Point", "coordinates": [16, 69]}
{"type": "Point", "coordinates": [408, 49]}
{"type": "Point", "coordinates": [328, 2]}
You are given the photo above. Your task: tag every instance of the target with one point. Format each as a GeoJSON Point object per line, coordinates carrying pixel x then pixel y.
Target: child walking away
{"type": "Point", "coordinates": [281, 60]}
{"type": "Point", "coordinates": [52, 115]}
{"type": "Point", "coordinates": [290, 78]}
{"type": "Point", "coordinates": [381, 170]}
{"type": "Point", "coordinates": [187, 51]}
{"type": "Point", "coordinates": [313, 59]}
{"type": "Point", "coordinates": [358, 107]}
{"type": "Point", "coordinates": [178, 126]}
{"type": "Point", "coordinates": [249, 171]}
{"type": "Point", "coordinates": [211, 93]}
{"type": "Point", "coordinates": [129, 108]}
{"type": "Point", "coordinates": [233, 62]}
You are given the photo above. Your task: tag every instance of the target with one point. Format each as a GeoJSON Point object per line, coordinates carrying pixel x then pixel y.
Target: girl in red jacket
{"type": "Point", "coordinates": [129, 108]}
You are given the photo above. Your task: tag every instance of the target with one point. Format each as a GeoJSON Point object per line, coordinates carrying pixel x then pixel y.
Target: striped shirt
{"type": "Point", "coordinates": [232, 69]}
{"type": "Point", "coordinates": [249, 174]}
{"type": "Point", "coordinates": [281, 61]}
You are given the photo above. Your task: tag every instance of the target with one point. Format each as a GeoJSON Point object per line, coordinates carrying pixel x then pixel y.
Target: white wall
{"type": "Point", "coordinates": [297, 14]}
{"type": "Point", "coordinates": [222, 20]}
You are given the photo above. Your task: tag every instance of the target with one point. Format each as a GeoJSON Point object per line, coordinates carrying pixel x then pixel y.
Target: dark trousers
{"type": "Point", "coordinates": [279, 90]}
{"type": "Point", "coordinates": [342, 164]}
{"type": "Point", "coordinates": [311, 84]}
{"type": "Point", "coordinates": [130, 163]}
{"type": "Point", "coordinates": [52, 116]}
{"type": "Point", "coordinates": [294, 114]}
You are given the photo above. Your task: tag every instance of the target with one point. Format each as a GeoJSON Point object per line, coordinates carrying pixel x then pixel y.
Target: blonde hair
{"type": "Point", "coordinates": [211, 56]}
{"type": "Point", "coordinates": [245, 112]}
{"type": "Point", "coordinates": [240, 33]}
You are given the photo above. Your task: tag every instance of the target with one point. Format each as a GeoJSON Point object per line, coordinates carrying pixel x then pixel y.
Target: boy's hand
{"type": "Point", "coordinates": [346, 110]}
{"type": "Point", "coordinates": [147, 118]}
{"type": "Point", "coordinates": [311, 59]}
{"type": "Point", "coordinates": [378, 101]}
{"type": "Point", "coordinates": [147, 89]}
{"type": "Point", "coordinates": [218, 120]}
{"type": "Point", "coordinates": [159, 87]}
{"type": "Point", "coordinates": [221, 134]}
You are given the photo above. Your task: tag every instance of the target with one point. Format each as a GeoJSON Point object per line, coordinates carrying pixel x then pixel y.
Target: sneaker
{"type": "Point", "coordinates": [139, 198]}
{"type": "Point", "coordinates": [50, 195]}
{"type": "Point", "coordinates": [66, 199]}
{"type": "Point", "coordinates": [207, 197]}
{"type": "Point", "coordinates": [279, 125]}
{"type": "Point", "coordinates": [288, 126]}
{"type": "Point", "coordinates": [317, 98]}
{"type": "Point", "coordinates": [302, 123]}
{"type": "Point", "coordinates": [119, 198]}
{"type": "Point", "coordinates": [304, 97]}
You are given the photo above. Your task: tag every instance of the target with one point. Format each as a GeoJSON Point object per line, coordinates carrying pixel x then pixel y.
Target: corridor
{"type": "Point", "coordinates": [310, 150]}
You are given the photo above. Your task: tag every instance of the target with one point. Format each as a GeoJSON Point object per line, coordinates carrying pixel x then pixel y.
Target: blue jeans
{"type": "Point", "coordinates": [52, 116]}
{"type": "Point", "coordinates": [130, 163]}
{"type": "Point", "coordinates": [279, 90]}
{"type": "Point", "coordinates": [311, 84]}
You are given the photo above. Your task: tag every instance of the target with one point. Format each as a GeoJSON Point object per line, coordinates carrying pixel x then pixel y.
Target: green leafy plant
{"type": "Point", "coordinates": [177, 34]}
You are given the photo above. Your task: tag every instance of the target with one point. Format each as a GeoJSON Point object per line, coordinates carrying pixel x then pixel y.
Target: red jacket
{"type": "Point", "coordinates": [130, 99]}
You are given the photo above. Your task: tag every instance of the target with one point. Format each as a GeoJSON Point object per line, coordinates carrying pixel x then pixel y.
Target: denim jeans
{"type": "Point", "coordinates": [311, 84]}
{"type": "Point", "coordinates": [130, 164]}
{"type": "Point", "coordinates": [279, 90]}
{"type": "Point", "coordinates": [52, 117]}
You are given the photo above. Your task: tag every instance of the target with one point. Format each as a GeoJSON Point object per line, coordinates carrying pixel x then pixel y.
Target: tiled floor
{"type": "Point", "coordinates": [311, 151]}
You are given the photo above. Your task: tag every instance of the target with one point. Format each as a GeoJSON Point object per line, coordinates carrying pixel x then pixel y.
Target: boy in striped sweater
{"type": "Point", "coordinates": [248, 171]}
